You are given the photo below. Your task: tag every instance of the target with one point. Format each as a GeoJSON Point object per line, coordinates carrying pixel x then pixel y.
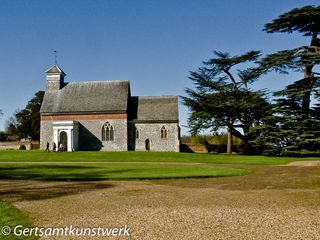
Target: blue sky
{"type": "Point", "coordinates": [152, 43]}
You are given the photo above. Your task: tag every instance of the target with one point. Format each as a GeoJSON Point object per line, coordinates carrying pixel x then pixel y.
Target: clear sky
{"type": "Point", "coordinates": [152, 43]}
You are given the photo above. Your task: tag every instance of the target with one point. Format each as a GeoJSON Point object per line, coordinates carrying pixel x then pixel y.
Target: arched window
{"type": "Point", "coordinates": [137, 134]}
{"type": "Point", "coordinates": [107, 132]}
{"type": "Point", "coordinates": [164, 133]}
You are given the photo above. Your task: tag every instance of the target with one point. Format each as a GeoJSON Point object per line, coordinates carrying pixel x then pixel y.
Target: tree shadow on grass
{"type": "Point", "coordinates": [52, 172]}
{"type": "Point", "coordinates": [62, 173]}
{"type": "Point", "coordinates": [17, 182]}
{"type": "Point", "coordinates": [18, 190]}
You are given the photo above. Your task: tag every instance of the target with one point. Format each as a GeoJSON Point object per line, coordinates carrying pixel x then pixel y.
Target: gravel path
{"type": "Point", "coordinates": [305, 163]}
{"type": "Point", "coordinates": [257, 206]}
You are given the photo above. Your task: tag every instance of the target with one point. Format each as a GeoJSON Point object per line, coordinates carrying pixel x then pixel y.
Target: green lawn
{"type": "Point", "coordinates": [12, 217]}
{"type": "Point", "coordinates": [41, 156]}
{"type": "Point", "coordinates": [40, 165]}
{"type": "Point", "coordinates": [82, 171]}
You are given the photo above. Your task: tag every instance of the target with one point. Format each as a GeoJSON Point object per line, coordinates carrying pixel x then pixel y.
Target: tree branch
{"type": "Point", "coordinates": [231, 77]}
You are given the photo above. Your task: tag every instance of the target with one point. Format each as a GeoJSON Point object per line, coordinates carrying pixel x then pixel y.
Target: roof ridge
{"type": "Point", "coordinates": [159, 96]}
{"type": "Point", "coordinates": [101, 81]}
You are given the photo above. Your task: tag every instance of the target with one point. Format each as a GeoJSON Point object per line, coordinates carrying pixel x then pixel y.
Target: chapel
{"type": "Point", "coordinates": [103, 115]}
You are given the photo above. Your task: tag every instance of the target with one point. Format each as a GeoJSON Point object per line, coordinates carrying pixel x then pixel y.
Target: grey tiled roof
{"type": "Point", "coordinates": [154, 108]}
{"type": "Point", "coordinates": [88, 97]}
{"type": "Point", "coordinates": [55, 69]}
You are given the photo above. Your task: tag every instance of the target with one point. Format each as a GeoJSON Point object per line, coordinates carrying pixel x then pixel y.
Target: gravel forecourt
{"type": "Point", "coordinates": [276, 202]}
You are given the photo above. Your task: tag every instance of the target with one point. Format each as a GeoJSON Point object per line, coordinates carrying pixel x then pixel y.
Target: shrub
{"type": "Point", "coordinates": [270, 152]}
{"type": "Point", "coordinates": [200, 139]}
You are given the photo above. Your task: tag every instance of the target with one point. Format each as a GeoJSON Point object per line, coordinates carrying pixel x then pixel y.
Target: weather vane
{"type": "Point", "coordinates": [55, 57]}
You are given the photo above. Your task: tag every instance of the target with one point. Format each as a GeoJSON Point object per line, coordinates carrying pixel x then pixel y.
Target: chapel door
{"type": "Point", "coordinates": [147, 143]}
{"type": "Point", "coordinates": [63, 146]}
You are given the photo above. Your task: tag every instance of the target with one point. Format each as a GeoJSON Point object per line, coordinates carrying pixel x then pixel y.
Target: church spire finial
{"type": "Point", "coordinates": [55, 57]}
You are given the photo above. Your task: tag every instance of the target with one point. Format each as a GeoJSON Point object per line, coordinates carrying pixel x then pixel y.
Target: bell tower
{"type": "Point", "coordinates": [55, 78]}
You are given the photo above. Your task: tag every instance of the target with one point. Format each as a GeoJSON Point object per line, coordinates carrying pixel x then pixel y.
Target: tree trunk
{"type": "Point", "coordinates": [229, 143]}
{"type": "Point", "coordinates": [307, 94]}
{"type": "Point", "coordinates": [308, 74]}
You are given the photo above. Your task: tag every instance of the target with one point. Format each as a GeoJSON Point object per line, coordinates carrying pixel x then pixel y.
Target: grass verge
{"type": "Point", "coordinates": [12, 217]}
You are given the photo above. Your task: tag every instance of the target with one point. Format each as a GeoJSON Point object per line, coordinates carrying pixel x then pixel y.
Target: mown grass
{"type": "Point", "coordinates": [82, 171]}
{"type": "Point", "coordinates": [12, 217]}
{"type": "Point", "coordinates": [41, 156]}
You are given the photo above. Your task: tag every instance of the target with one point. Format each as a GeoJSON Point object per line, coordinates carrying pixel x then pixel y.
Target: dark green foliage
{"type": "Point", "coordinates": [289, 130]}
{"type": "Point", "coordinates": [26, 123]}
{"type": "Point", "coordinates": [281, 61]}
{"type": "Point", "coordinates": [294, 126]}
{"type": "Point", "coordinates": [223, 99]}
{"type": "Point", "coordinates": [295, 59]}
{"type": "Point", "coordinates": [305, 20]}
